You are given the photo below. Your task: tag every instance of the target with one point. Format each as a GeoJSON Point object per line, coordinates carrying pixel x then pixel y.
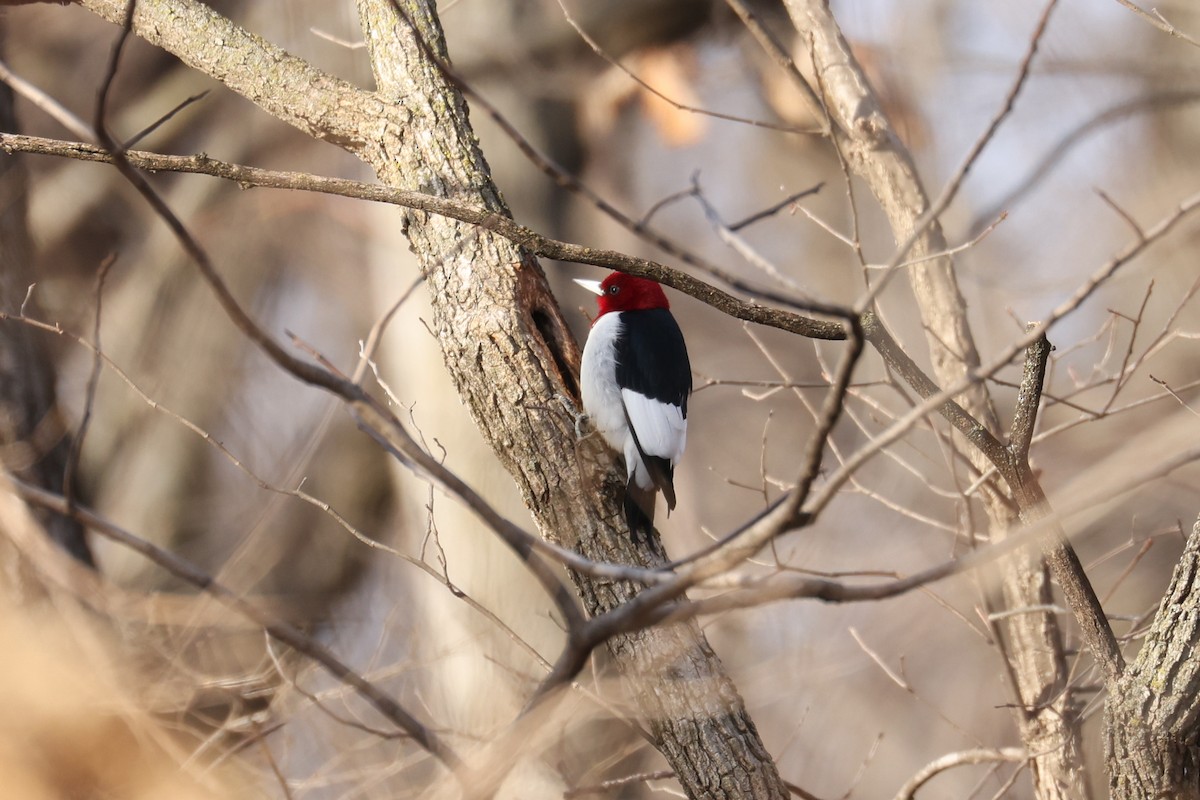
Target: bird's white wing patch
{"type": "Point", "coordinates": [660, 427]}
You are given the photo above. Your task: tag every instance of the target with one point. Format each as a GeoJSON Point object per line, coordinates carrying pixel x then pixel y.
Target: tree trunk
{"type": "Point", "coordinates": [510, 353]}
{"type": "Point", "coordinates": [1152, 733]}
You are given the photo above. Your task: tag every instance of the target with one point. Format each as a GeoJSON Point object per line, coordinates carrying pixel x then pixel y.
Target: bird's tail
{"type": "Point", "coordinates": [639, 511]}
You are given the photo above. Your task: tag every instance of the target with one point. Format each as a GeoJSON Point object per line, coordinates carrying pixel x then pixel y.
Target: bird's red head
{"type": "Point", "coordinates": [621, 292]}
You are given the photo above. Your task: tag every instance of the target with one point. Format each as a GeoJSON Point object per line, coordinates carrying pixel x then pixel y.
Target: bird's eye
{"type": "Point", "coordinates": [614, 289]}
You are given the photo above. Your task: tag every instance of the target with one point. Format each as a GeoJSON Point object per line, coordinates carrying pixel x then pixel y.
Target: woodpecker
{"type": "Point", "coordinates": [635, 380]}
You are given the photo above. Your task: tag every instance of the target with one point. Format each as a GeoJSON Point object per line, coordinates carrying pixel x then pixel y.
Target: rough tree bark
{"type": "Point", "coordinates": [504, 340]}
{"type": "Point", "coordinates": [1033, 643]}
{"type": "Point", "coordinates": [1152, 723]}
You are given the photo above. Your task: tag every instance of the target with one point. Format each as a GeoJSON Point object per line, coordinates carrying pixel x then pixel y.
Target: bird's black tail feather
{"type": "Point", "coordinates": [662, 472]}
{"type": "Point", "coordinates": [639, 511]}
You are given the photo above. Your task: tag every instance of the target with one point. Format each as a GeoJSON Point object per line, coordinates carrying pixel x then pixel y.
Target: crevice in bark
{"type": "Point", "coordinates": [561, 348]}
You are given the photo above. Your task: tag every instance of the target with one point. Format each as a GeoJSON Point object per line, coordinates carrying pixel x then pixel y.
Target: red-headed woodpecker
{"type": "Point", "coordinates": [635, 380]}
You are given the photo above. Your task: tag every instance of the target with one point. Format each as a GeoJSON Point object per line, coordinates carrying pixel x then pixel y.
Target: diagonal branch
{"type": "Point", "coordinates": [500, 224]}
{"type": "Point", "coordinates": [1035, 507]}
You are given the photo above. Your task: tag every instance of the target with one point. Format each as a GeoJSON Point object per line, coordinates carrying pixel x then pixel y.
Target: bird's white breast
{"type": "Point", "coordinates": [598, 382]}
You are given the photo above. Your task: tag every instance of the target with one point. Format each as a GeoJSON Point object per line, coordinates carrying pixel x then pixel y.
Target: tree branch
{"type": "Point", "coordinates": [982, 755]}
{"type": "Point", "coordinates": [499, 224]}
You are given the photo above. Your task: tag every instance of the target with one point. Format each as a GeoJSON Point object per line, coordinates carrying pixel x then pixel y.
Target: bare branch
{"type": "Point", "coordinates": [1159, 21]}
{"type": "Point", "coordinates": [981, 755]}
{"type": "Point", "coordinates": [1057, 154]}
{"type": "Point", "coordinates": [496, 223]}
{"type": "Point", "coordinates": [54, 109]}
{"type": "Point", "coordinates": [92, 384]}
{"type": "Point", "coordinates": [158, 123]}
{"type": "Point", "coordinates": [607, 787]}
{"type": "Point", "coordinates": [1029, 398]}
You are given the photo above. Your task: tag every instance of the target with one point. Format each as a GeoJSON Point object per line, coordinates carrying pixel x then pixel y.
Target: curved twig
{"type": "Point", "coordinates": [979, 755]}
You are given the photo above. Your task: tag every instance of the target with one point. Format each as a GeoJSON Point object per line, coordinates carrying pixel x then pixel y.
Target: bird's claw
{"type": "Point", "coordinates": [580, 417]}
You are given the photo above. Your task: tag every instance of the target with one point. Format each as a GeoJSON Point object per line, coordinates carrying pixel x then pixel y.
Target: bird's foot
{"type": "Point", "coordinates": [581, 417]}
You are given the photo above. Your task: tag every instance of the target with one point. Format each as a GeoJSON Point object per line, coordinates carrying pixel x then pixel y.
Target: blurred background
{"type": "Point", "coordinates": [851, 700]}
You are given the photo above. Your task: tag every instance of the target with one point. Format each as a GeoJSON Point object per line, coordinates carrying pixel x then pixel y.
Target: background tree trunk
{"type": "Point", "coordinates": [34, 441]}
{"type": "Point", "coordinates": [1152, 724]}
{"type": "Point", "coordinates": [1030, 641]}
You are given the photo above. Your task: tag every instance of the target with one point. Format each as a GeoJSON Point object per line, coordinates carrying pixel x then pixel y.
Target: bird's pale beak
{"type": "Point", "coordinates": [591, 286]}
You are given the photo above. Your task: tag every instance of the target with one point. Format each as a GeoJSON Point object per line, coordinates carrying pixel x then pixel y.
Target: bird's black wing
{"type": "Point", "coordinates": [652, 358]}
{"type": "Point", "coordinates": [652, 362]}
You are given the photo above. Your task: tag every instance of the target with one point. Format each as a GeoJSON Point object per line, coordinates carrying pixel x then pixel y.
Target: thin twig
{"type": "Point", "coordinates": [1159, 21]}
{"type": "Point", "coordinates": [158, 123]}
{"type": "Point", "coordinates": [600, 51]}
{"type": "Point", "coordinates": [1173, 394]}
{"type": "Point", "coordinates": [982, 755]}
{"type": "Point", "coordinates": [774, 209]}
{"type": "Point", "coordinates": [368, 346]}
{"type": "Point", "coordinates": [607, 787]}
{"type": "Point", "coordinates": [950, 190]}
{"type": "Point", "coordinates": [54, 109]}
{"type": "Point", "coordinates": [294, 682]}
{"type": "Point", "coordinates": [1125, 216]}
{"type": "Point", "coordinates": [779, 54]}
{"type": "Point", "coordinates": [739, 244]}
{"type": "Point", "coordinates": [1056, 156]}
{"type": "Point", "coordinates": [93, 382]}
{"type": "Point", "coordinates": [1124, 373]}
{"type": "Point", "coordinates": [894, 676]}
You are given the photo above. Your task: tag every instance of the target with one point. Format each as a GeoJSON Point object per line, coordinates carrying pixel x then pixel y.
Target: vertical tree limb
{"type": "Point", "coordinates": [876, 154]}
{"type": "Point", "coordinates": [1152, 721]}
